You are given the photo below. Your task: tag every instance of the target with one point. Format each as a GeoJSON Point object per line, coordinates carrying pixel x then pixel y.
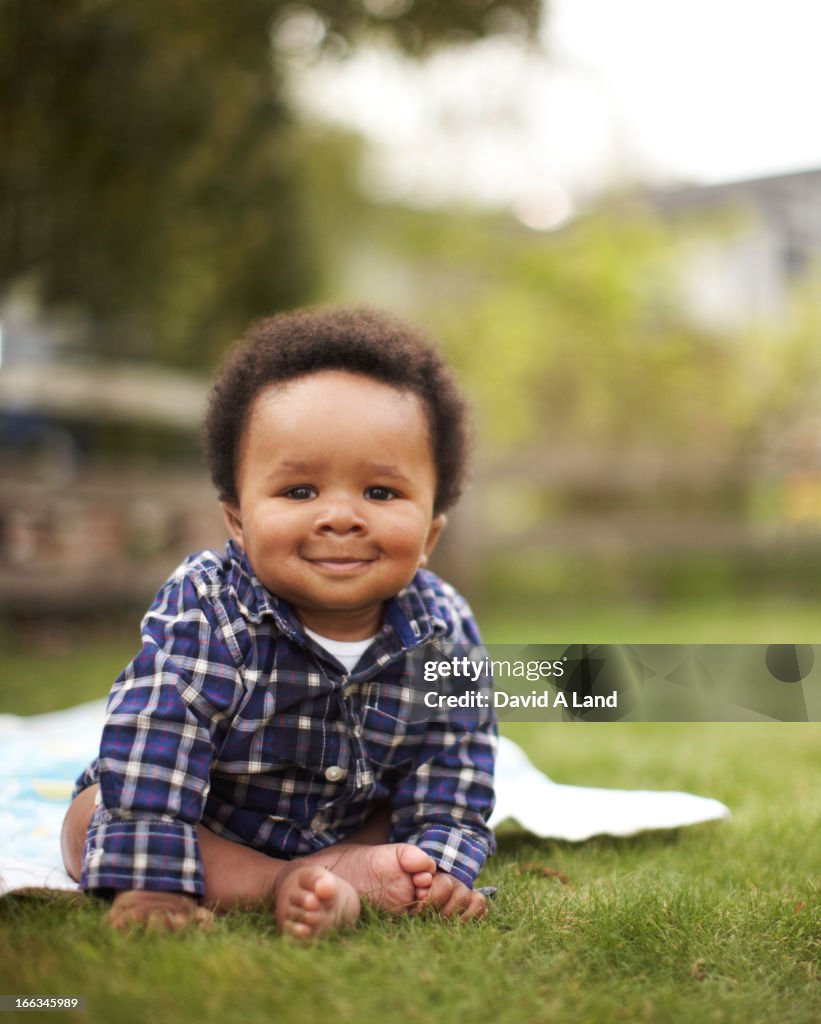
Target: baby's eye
{"type": "Point", "coordinates": [301, 493]}
{"type": "Point", "coordinates": [380, 493]}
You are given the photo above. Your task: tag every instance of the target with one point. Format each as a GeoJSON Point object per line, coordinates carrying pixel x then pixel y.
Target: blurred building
{"type": "Point", "coordinates": [764, 237]}
{"type": "Point", "coordinates": [103, 490]}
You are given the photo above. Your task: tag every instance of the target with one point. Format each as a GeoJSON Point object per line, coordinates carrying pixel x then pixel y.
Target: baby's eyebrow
{"type": "Point", "coordinates": [382, 469]}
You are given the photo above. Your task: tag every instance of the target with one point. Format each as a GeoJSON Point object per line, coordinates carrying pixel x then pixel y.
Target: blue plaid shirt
{"type": "Point", "coordinates": [232, 717]}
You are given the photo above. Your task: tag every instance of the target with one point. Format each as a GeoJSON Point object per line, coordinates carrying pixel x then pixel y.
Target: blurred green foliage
{"type": "Point", "coordinates": [149, 181]}
{"type": "Point", "coordinates": [581, 337]}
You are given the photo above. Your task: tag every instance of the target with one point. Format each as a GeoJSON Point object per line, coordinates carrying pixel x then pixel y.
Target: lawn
{"type": "Point", "coordinates": [718, 922]}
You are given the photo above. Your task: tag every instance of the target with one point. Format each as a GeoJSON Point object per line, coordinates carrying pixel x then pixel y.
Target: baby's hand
{"type": "Point", "coordinates": [158, 911]}
{"type": "Point", "coordinates": [449, 896]}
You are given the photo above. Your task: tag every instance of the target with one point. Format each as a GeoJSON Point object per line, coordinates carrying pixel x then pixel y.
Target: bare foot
{"type": "Point", "coordinates": [392, 877]}
{"type": "Point", "coordinates": [310, 901]}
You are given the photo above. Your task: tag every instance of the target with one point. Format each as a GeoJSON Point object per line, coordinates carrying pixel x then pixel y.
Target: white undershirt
{"type": "Point", "coordinates": [348, 652]}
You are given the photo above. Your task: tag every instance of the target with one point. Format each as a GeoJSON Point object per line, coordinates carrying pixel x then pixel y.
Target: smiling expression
{"type": "Point", "coordinates": [336, 484]}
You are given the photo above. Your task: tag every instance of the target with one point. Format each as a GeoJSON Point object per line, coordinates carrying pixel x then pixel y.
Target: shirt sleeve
{"type": "Point", "coordinates": [443, 805]}
{"type": "Point", "coordinates": [164, 717]}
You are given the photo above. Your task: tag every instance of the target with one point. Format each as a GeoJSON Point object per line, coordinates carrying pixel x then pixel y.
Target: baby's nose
{"type": "Point", "coordinates": [340, 515]}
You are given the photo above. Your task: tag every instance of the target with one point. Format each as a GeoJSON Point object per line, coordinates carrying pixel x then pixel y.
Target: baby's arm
{"type": "Point", "coordinates": [155, 759]}
{"type": "Point", "coordinates": [443, 803]}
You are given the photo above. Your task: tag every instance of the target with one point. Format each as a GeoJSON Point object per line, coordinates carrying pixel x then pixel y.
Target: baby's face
{"type": "Point", "coordinates": [336, 484]}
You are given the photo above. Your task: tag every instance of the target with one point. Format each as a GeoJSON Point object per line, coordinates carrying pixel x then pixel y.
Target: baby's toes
{"type": "Point", "coordinates": [204, 919]}
{"type": "Point", "coordinates": [414, 860]}
{"type": "Point", "coordinates": [421, 901]}
{"type": "Point", "coordinates": [325, 887]}
{"type": "Point", "coordinates": [301, 915]}
{"type": "Point", "coordinates": [296, 929]}
{"type": "Point", "coordinates": [305, 900]}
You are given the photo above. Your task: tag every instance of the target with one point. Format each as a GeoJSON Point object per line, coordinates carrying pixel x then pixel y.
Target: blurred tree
{"type": "Point", "coordinates": [148, 179]}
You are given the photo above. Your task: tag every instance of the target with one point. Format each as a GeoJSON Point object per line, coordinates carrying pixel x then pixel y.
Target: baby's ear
{"type": "Point", "coordinates": [438, 524]}
{"type": "Point", "coordinates": [233, 520]}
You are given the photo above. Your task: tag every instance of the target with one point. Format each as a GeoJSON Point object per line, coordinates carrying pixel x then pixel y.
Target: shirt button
{"type": "Point", "coordinates": [335, 773]}
{"type": "Point", "coordinates": [317, 823]}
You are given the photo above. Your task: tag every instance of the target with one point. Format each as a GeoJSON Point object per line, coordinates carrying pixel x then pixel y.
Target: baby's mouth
{"type": "Point", "coordinates": [339, 563]}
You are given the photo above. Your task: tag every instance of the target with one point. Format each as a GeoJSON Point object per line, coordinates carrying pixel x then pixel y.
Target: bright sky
{"type": "Point", "coordinates": [659, 90]}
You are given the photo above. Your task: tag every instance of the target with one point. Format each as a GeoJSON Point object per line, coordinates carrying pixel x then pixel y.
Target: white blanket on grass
{"type": "Point", "coordinates": [41, 756]}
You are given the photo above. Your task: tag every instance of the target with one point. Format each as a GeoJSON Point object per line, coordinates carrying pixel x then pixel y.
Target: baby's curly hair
{"type": "Point", "coordinates": [360, 340]}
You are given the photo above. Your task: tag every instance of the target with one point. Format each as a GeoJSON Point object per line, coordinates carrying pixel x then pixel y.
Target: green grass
{"type": "Point", "coordinates": [48, 666]}
{"type": "Point", "coordinates": [714, 923]}
{"type": "Point", "coordinates": [717, 922]}
{"type": "Point", "coordinates": [719, 620]}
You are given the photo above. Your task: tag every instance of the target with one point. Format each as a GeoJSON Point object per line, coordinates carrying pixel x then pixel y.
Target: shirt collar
{"type": "Point", "coordinates": [254, 601]}
{"type": "Point", "coordinates": [413, 615]}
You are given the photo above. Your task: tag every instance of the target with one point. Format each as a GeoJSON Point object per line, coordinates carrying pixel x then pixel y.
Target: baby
{"type": "Point", "coordinates": [266, 745]}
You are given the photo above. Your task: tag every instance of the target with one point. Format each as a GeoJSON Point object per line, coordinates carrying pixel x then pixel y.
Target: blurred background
{"type": "Point", "coordinates": [608, 214]}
